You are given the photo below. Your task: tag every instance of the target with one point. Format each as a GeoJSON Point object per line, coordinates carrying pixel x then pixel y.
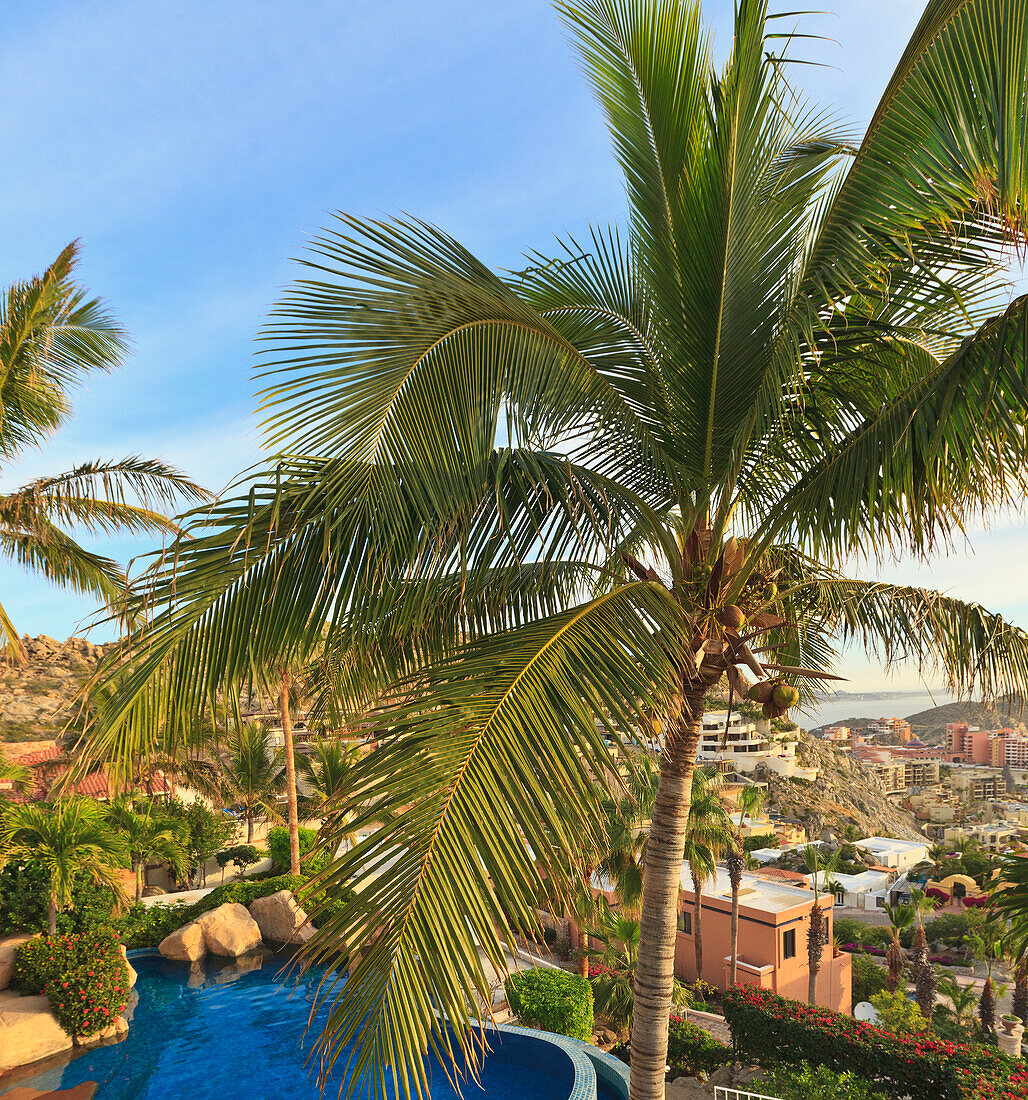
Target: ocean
{"type": "Point", "coordinates": [901, 704]}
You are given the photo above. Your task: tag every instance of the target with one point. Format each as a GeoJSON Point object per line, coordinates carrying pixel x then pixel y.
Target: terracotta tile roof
{"type": "Point", "coordinates": [47, 767]}
{"type": "Point", "coordinates": [781, 875]}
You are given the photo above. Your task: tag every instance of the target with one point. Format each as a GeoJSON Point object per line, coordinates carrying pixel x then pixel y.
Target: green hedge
{"type": "Point", "coordinates": [807, 1082]}
{"type": "Point", "coordinates": [145, 926]}
{"type": "Point", "coordinates": [25, 901]}
{"type": "Point", "coordinates": [552, 1000]}
{"type": "Point", "coordinates": [310, 862]}
{"type": "Point", "coordinates": [691, 1050]}
{"type": "Point", "coordinates": [83, 976]}
{"type": "Point", "coordinates": [868, 978]}
{"type": "Point", "coordinates": [770, 1029]}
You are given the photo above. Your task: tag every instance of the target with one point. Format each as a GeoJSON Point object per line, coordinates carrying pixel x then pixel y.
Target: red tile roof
{"type": "Point", "coordinates": [47, 766]}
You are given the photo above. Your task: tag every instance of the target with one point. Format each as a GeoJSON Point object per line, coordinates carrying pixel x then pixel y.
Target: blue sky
{"type": "Point", "coordinates": [194, 147]}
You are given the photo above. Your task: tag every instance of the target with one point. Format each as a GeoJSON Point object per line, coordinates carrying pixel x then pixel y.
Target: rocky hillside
{"type": "Point", "coordinates": [37, 698]}
{"type": "Point", "coordinates": [930, 725]}
{"type": "Point", "coordinates": [845, 793]}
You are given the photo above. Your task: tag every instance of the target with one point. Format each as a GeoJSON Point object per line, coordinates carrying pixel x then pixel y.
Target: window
{"type": "Point", "coordinates": [685, 923]}
{"type": "Point", "coordinates": [789, 944]}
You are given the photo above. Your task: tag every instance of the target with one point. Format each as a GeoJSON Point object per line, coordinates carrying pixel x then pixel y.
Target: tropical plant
{"type": "Point", "coordinates": [925, 978]}
{"type": "Point", "coordinates": [955, 1015]}
{"type": "Point", "coordinates": [252, 775]}
{"type": "Point", "coordinates": [147, 836]}
{"type": "Point", "coordinates": [986, 945]}
{"type": "Point", "coordinates": [821, 867]}
{"type": "Point", "coordinates": [901, 917]}
{"type": "Point", "coordinates": [13, 777]}
{"type": "Point", "coordinates": [898, 1014]}
{"type": "Point", "coordinates": [52, 335]}
{"type": "Point", "coordinates": [807, 1082]}
{"type": "Point", "coordinates": [613, 986]}
{"type": "Point", "coordinates": [68, 838]}
{"type": "Point", "coordinates": [530, 510]}
{"type": "Point", "coordinates": [751, 800]}
{"type": "Point", "coordinates": [708, 836]}
{"type": "Point", "coordinates": [326, 771]}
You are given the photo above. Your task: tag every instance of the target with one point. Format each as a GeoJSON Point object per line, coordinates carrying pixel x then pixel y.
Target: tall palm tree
{"type": "Point", "coordinates": [708, 836]}
{"type": "Point", "coordinates": [530, 510]}
{"type": "Point", "coordinates": [51, 336]}
{"type": "Point", "coordinates": [68, 838]}
{"type": "Point", "coordinates": [751, 801]}
{"type": "Point", "coordinates": [925, 978]}
{"type": "Point", "coordinates": [900, 918]}
{"type": "Point", "coordinates": [252, 774]}
{"type": "Point", "coordinates": [147, 836]}
{"type": "Point", "coordinates": [821, 868]}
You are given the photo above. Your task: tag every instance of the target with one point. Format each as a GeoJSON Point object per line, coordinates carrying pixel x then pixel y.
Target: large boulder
{"type": "Point", "coordinates": [132, 975]}
{"type": "Point", "coordinates": [281, 919]}
{"type": "Point", "coordinates": [28, 1031]}
{"type": "Point", "coordinates": [8, 945]}
{"type": "Point", "coordinates": [229, 930]}
{"type": "Point", "coordinates": [186, 944]}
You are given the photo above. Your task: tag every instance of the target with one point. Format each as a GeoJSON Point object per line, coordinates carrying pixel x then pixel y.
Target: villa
{"type": "Point", "coordinates": [740, 745]}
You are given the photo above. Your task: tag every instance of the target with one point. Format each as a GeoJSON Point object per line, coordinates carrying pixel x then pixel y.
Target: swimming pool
{"type": "Point", "coordinates": [235, 1030]}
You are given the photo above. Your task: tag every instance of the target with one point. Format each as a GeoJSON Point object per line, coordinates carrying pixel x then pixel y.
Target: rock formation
{"type": "Point", "coordinates": [280, 918]}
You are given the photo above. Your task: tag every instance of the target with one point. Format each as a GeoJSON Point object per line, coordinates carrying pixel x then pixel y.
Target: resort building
{"type": "Point", "coordinates": [740, 745]}
{"type": "Point", "coordinates": [993, 748]}
{"type": "Point", "coordinates": [978, 784]}
{"type": "Point", "coordinates": [773, 920]}
{"type": "Point", "coordinates": [899, 854]}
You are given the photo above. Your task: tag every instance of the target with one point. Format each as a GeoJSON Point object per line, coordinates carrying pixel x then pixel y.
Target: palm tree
{"type": "Point", "coordinates": [821, 868]}
{"type": "Point", "coordinates": [900, 918]}
{"type": "Point", "coordinates": [251, 774]}
{"type": "Point", "coordinates": [619, 935]}
{"type": "Point", "coordinates": [925, 978]}
{"type": "Point", "coordinates": [939, 854]}
{"type": "Point", "coordinates": [327, 773]}
{"type": "Point", "coordinates": [527, 510]}
{"type": "Point", "coordinates": [18, 776]}
{"type": "Point", "coordinates": [147, 836]}
{"type": "Point", "coordinates": [985, 945]}
{"type": "Point", "coordinates": [708, 836]}
{"type": "Point", "coordinates": [68, 838]}
{"type": "Point", "coordinates": [751, 800]}
{"type": "Point", "coordinates": [51, 336]}
{"type": "Point", "coordinates": [961, 1007]}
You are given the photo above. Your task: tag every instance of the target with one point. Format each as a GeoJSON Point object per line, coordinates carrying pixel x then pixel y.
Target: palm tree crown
{"type": "Point", "coordinates": [545, 506]}
{"type": "Point", "coordinates": [51, 335]}
{"type": "Point", "coordinates": [69, 837]}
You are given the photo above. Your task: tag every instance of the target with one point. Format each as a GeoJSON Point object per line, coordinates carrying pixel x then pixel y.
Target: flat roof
{"type": "Point", "coordinates": [889, 844]}
{"type": "Point", "coordinates": [767, 895]}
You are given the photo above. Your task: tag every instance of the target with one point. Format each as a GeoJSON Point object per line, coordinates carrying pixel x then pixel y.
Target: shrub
{"type": "Point", "coordinates": [898, 1014]}
{"type": "Point", "coordinates": [807, 1082]}
{"type": "Point", "coordinates": [877, 935]}
{"type": "Point", "coordinates": [771, 1029]}
{"type": "Point", "coordinates": [868, 978]}
{"type": "Point", "coordinates": [310, 862]}
{"type": "Point", "coordinates": [146, 927]}
{"type": "Point", "coordinates": [552, 1000]}
{"type": "Point", "coordinates": [848, 930]}
{"type": "Point", "coordinates": [242, 855]}
{"type": "Point", "coordinates": [948, 928]}
{"type": "Point", "coordinates": [83, 976]}
{"type": "Point", "coordinates": [936, 894]}
{"type": "Point", "coordinates": [691, 1050]}
{"type": "Point", "coordinates": [25, 897]}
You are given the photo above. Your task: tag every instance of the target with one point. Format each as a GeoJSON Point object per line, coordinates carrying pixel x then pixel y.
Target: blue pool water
{"type": "Point", "coordinates": [236, 1031]}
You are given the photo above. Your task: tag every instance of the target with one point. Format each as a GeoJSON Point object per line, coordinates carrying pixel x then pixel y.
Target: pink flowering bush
{"type": "Point", "coordinates": [83, 976]}
{"type": "Point", "coordinates": [770, 1029]}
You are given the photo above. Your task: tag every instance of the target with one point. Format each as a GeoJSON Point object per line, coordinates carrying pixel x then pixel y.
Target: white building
{"type": "Point", "coordinates": [745, 745]}
{"type": "Point", "coordinates": [901, 854]}
{"type": "Point", "coordinates": [867, 890]}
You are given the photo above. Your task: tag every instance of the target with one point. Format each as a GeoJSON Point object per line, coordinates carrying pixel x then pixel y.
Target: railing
{"type": "Point", "coordinates": [721, 1093]}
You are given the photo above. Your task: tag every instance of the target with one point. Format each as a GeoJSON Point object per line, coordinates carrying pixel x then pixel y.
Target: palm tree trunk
{"type": "Point", "coordinates": [287, 737]}
{"type": "Point", "coordinates": [815, 945]}
{"type": "Point", "coordinates": [249, 827]}
{"type": "Point", "coordinates": [697, 924]}
{"type": "Point", "coordinates": [735, 864]}
{"type": "Point", "coordinates": [658, 925]}
{"type": "Point", "coordinates": [137, 870]}
{"type": "Point", "coordinates": [53, 916]}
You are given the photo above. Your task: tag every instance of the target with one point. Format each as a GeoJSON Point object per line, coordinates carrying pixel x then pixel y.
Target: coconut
{"type": "Point", "coordinates": [785, 696]}
{"type": "Point", "coordinates": [768, 709]}
{"type": "Point", "coordinates": [770, 590]}
{"type": "Point", "coordinates": [731, 617]}
{"type": "Point", "coordinates": [761, 692]}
